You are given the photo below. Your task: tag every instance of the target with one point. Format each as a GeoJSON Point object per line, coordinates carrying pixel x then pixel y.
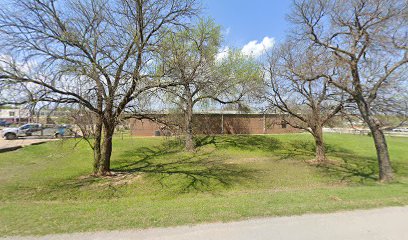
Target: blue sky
{"type": "Point", "coordinates": [248, 20]}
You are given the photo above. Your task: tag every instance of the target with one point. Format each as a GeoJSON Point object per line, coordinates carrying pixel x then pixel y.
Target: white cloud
{"type": "Point", "coordinates": [256, 49]}
{"type": "Point", "coordinates": [227, 31]}
{"type": "Point", "coordinates": [222, 54]}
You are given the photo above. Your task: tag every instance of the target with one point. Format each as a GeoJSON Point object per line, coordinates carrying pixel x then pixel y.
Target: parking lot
{"type": "Point", "coordinates": [9, 145]}
{"type": "Point", "coordinates": [22, 137]}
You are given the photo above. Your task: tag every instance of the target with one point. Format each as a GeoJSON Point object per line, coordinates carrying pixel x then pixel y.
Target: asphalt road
{"type": "Point", "coordinates": [376, 224]}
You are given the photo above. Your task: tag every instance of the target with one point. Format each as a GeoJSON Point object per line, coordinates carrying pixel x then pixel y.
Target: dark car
{"type": "Point", "coordinates": [4, 123]}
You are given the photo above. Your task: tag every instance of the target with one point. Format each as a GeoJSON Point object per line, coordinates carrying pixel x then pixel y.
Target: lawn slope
{"type": "Point", "coordinates": [47, 188]}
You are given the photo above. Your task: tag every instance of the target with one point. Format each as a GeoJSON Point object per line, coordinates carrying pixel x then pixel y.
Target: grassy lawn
{"type": "Point", "coordinates": [47, 188]}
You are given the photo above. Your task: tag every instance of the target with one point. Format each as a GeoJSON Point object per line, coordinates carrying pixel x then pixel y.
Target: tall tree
{"type": "Point", "coordinates": [191, 57]}
{"type": "Point", "coordinates": [306, 101]}
{"type": "Point", "coordinates": [95, 53]}
{"type": "Point", "coordinates": [368, 40]}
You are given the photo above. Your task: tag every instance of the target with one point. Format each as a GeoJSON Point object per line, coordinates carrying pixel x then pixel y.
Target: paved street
{"type": "Point", "coordinates": [376, 224]}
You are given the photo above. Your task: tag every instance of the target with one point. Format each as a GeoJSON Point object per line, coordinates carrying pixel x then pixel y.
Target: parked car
{"type": "Point", "coordinates": [25, 130]}
{"type": "Point", "coordinates": [4, 123]}
{"type": "Point", "coordinates": [65, 130]}
{"type": "Point", "coordinates": [400, 129]}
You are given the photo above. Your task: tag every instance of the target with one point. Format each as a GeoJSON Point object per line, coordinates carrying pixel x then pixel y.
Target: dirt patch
{"type": "Point", "coordinates": [250, 160]}
{"type": "Point", "coordinates": [117, 179]}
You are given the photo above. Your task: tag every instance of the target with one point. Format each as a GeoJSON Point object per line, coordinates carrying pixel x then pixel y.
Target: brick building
{"type": "Point", "coordinates": [212, 123]}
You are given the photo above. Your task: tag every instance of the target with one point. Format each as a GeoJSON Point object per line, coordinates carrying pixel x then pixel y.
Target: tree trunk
{"type": "Point", "coordinates": [384, 163]}
{"type": "Point", "coordinates": [97, 145]}
{"type": "Point", "coordinates": [189, 145]}
{"type": "Point", "coordinates": [188, 118]}
{"type": "Point", "coordinates": [383, 158]}
{"type": "Point", "coordinates": [106, 150]}
{"type": "Point", "coordinates": [319, 142]}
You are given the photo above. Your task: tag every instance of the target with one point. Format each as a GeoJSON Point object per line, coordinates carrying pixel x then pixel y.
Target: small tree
{"type": "Point", "coordinates": [368, 41]}
{"type": "Point", "coordinates": [189, 56]}
{"type": "Point", "coordinates": [293, 88]}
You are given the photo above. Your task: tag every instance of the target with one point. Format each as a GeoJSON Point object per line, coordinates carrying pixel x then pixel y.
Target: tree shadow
{"type": "Point", "coordinates": [352, 170]}
{"type": "Point", "coordinates": [204, 170]}
{"type": "Point", "coordinates": [290, 149]}
{"type": "Point", "coordinates": [244, 142]}
{"type": "Point", "coordinates": [297, 149]}
{"type": "Point", "coordinates": [353, 167]}
{"type": "Point", "coordinates": [199, 171]}
{"type": "Point", "coordinates": [65, 188]}
{"type": "Point", "coordinates": [344, 164]}
{"type": "Point", "coordinates": [347, 165]}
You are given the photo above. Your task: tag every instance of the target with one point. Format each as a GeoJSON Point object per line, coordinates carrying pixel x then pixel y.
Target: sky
{"type": "Point", "coordinates": [250, 25]}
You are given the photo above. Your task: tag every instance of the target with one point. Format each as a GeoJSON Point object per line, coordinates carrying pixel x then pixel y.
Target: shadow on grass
{"type": "Point", "coordinates": [244, 142]}
{"type": "Point", "coordinates": [297, 149]}
{"type": "Point", "coordinates": [351, 167]}
{"type": "Point", "coordinates": [343, 164]}
{"type": "Point", "coordinates": [204, 170]}
{"type": "Point", "coordinates": [200, 171]}
{"type": "Point", "coordinates": [348, 165]}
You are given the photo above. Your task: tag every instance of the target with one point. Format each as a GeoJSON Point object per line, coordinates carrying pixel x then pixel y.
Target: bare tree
{"type": "Point", "coordinates": [190, 57]}
{"type": "Point", "coordinates": [97, 53]}
{"type": "Point", "coordinates": [391, 104]}
{"type": "Point", "coordinates": [18, 93]}
{"type": "Point", "coordinates": [368, 40]}
{"type": "Point", "coordinates": [293, 88]}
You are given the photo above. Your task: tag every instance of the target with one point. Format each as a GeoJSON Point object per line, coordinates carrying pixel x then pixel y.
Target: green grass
{"type": "Point", "coordinates": [47, 188]}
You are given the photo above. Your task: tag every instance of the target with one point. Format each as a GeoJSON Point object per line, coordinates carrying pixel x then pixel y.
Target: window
{"type": "Point", "coordinates": [284, 124]}
{"type": "Point", "coordinates": [12, 114]}
{"type": "Point", "coordinates": [25, 127]}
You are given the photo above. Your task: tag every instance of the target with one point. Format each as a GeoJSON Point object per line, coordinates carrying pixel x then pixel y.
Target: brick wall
{"type": "Point", "coordinates": [216, 124]}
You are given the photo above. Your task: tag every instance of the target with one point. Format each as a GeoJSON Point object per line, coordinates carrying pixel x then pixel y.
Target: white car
{"type": "Point", "coordinates": [25, 130]}
{"type": "Point", "coordinates": [401, 129]}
